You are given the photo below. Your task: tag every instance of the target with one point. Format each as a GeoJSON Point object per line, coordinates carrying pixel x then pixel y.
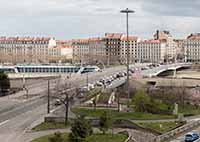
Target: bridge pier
{"type": "Point", "coordinates": [174, 73]}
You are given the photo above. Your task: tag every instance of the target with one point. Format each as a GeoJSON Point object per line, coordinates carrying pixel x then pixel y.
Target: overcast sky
{"type": "Point", "coordinates": [66, 19]}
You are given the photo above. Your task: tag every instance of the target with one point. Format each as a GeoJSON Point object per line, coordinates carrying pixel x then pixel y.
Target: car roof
{"type": "Point", "coordinates": [190, 133]}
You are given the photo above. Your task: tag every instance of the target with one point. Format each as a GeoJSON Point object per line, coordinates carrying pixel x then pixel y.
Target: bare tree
{"type": "Point", "coordinates": [66, 93]}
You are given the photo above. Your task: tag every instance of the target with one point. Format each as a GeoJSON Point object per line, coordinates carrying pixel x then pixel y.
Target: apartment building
{"type": "Point", "coordinates": [150, 51]}
{"type": "Point", "coordinates": [80, 51]}
{"type": "Point", "coordinates": [180, 55]}
{"type": "Point", "coordinates": [66, 50]}
{"type": "Point", "coordinates": [171, 44]}
{"type": "Point", "coordinates": [192, 48]}
{"type": "Point", "coordinates": [29, 50]}
{"type": "Point", "coordinates": [97, 51]}
{"type": "Point", "coordinates": [132, 41]}
{"type": "Point", "coordinates": [89, 51]}
{"type": "Point", "coordinates": [113, 44]}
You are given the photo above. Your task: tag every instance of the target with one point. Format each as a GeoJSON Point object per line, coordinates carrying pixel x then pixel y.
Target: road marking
{"type": "Point", "coordinates": [56, 109]}
{"type": "Point", "coordinates": [4, 122]}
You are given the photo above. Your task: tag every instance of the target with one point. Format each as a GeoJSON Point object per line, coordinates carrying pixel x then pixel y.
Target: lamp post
{"type": "Point", "coordinates": [127, 11]}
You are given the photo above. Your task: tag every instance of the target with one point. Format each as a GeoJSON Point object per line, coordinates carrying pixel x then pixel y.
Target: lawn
{"type": "Point", "coordinates": [120, 115]}
{"type": "Point", "coordinates": [162, 127]}
{"type": "Point", "coordinates": [107, 138]}
{"type": "Point", "coordinates": [189, 110]}
{"type": "Point", "coordinates": [46, 138]}
{"type": "Point", "coordinates": [93, 138]}
{"type": "Point", "coordinates": [49, 125]}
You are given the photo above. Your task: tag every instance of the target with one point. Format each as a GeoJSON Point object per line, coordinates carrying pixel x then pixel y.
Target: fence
{"type": "Point", "coordinates": [177, 131]}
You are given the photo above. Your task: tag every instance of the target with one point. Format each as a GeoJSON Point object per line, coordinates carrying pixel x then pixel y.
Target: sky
{"type": "Point", "coordinates": [69, 19]}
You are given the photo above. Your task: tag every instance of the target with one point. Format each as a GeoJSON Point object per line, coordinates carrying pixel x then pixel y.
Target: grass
{"type": "Point", "coordinates": [107, 138]}
{"type": "Point", "coordinates": [46, 138]}
{"type": "Point", "coordinates": [161, 127]}
{"type": "Point", "coordinates": [93, 138]}
{"type": "Point", "coordinates": [120, 115]}
{"type": "Point", "coordinates": [49, 125]}
{"type": "Point", "coordinates": [189, 110]}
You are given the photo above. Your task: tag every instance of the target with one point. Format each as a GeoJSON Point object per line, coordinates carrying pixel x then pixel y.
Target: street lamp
{"type": "Point", "coordinates": [127, 11]}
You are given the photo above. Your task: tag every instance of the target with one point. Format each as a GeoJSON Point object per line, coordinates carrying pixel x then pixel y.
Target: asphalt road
{"type": "Point", "coordinates": [16, 115]}
{"type": "Point", "coordinates": [180, 138]}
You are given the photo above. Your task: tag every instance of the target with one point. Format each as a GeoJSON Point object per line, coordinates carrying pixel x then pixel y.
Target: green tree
{"type": "Point", "coordinates": [141, 101]}
{"type": "Point", "coordinates": [4, 83]}
{"type": "Point", "coordinates": [105, 122]}
{"type": "Point", "coordinates": [80, 130]}
{"type": "Point", "coordinates": [56, 138]}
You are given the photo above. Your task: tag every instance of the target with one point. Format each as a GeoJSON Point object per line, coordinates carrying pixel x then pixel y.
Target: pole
{"type": "Point", "coordinates": [175, 66]}
{"type": "Point", "coordinates": [87, 80]}
{"type": "Point", "coordinates": [66, 108]}
{"type": "Point", "coordinates": [127, 11]}
{"type": "Point", "coordinates": [128, 91]}
{"type": "Point", "coordinates": [48, 99]}
{"type": "Point", "coordinates": [24, 75]}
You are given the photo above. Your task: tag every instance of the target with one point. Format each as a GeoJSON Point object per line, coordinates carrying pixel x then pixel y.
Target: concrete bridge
{"type": "Point", "coordinates": [151, 72]}
{"type": "Point", "coordinates": [164, 68]}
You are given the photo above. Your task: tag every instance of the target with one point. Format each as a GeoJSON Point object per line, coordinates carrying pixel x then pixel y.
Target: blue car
{"type": "Point", "coordinates": [190, 137]}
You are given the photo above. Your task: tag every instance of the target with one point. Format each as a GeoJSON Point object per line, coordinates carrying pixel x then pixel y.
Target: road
{"type": "Point", "coordinates": [180, 138]}
{"type": "Point", "coordinates": [18, 113]}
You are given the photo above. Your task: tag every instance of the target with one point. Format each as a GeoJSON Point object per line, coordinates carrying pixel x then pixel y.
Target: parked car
{"type": "Point", "coordinates": [57, 102]}
{"type": "Point", "coordinates": [190, 137]}
{"type": "Point", "coordinates": [98, 83]}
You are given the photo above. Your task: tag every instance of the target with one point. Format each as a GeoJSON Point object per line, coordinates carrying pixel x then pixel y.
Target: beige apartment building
{"type": "Point", "coordinates": [192, 48]}
{"type": "Point", "coordinates": [89, 51]}
{"type": "Point", "coordinates": [30, 50]}
{"type": "Point", "coordinates": [66, 50]}
{"type": "Point", "coordinates": [151, 51]}
{"type": "Point", "coordinates": [80, 51]}
{"type": "Point", "coordinates": [132, 41]}
{"type": "Point", "coordinates": [171, 49]}
{"type": "Point", "coordinates": [101, 50]}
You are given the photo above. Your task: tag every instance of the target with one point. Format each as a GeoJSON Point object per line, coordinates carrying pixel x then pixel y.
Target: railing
{"type": "Point", "coordinates": [177, 131]}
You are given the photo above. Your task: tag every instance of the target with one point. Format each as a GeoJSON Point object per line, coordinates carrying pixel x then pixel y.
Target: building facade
{"type": "Point", "coordinates": [192, 48]}
{"type": "Point", "coordinates": [89, 51]}
{"type": "Point", "coordinates": [171, 49]}
{"type": "Point", "coordinates": [150, 51]}
{"type": "Point", "coordinates": [80, 51]}
{"type": "Point", "coordinates": [132, 41]}
{"type": "Point", "coordinates": [113, 44]}
{"type": "Point", "coordinates": [29, 50]}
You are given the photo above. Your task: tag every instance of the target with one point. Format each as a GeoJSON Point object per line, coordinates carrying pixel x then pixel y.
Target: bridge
{"type": "Point", "coordinates": [163, 68]}
{"type": "Point", "coordinates": [150, 72]}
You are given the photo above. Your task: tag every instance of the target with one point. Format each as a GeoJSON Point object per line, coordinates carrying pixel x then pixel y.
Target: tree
{"type": "Point", "coordinates": [105, 122]}
{"type": "Point", "coordinates": [141, 101]}
{"type": "Point", "coordinates": [80, 130]}
{"type": "Point", "coordinates": [4, 83]}
{"type": "Point", "coordinates": [66, 92]}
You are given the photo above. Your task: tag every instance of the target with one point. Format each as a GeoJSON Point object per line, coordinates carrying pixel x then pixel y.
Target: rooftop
{"type": "Point", "coordinates": [130, 38]}
{"type": "Point", "coordinates": [150, 41]}
{"type": "Point", "coordinates": [113, 35]}
{"type": "Point", "coordinates": [4, 38]}
{"type": "Point", "coordinates": [194, 36]}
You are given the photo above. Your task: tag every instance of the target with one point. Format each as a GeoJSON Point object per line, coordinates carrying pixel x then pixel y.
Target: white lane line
{"type": "Point", "coordinates": [56, 109]}
{"type": "Point", "coordinates": [4, 122]}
